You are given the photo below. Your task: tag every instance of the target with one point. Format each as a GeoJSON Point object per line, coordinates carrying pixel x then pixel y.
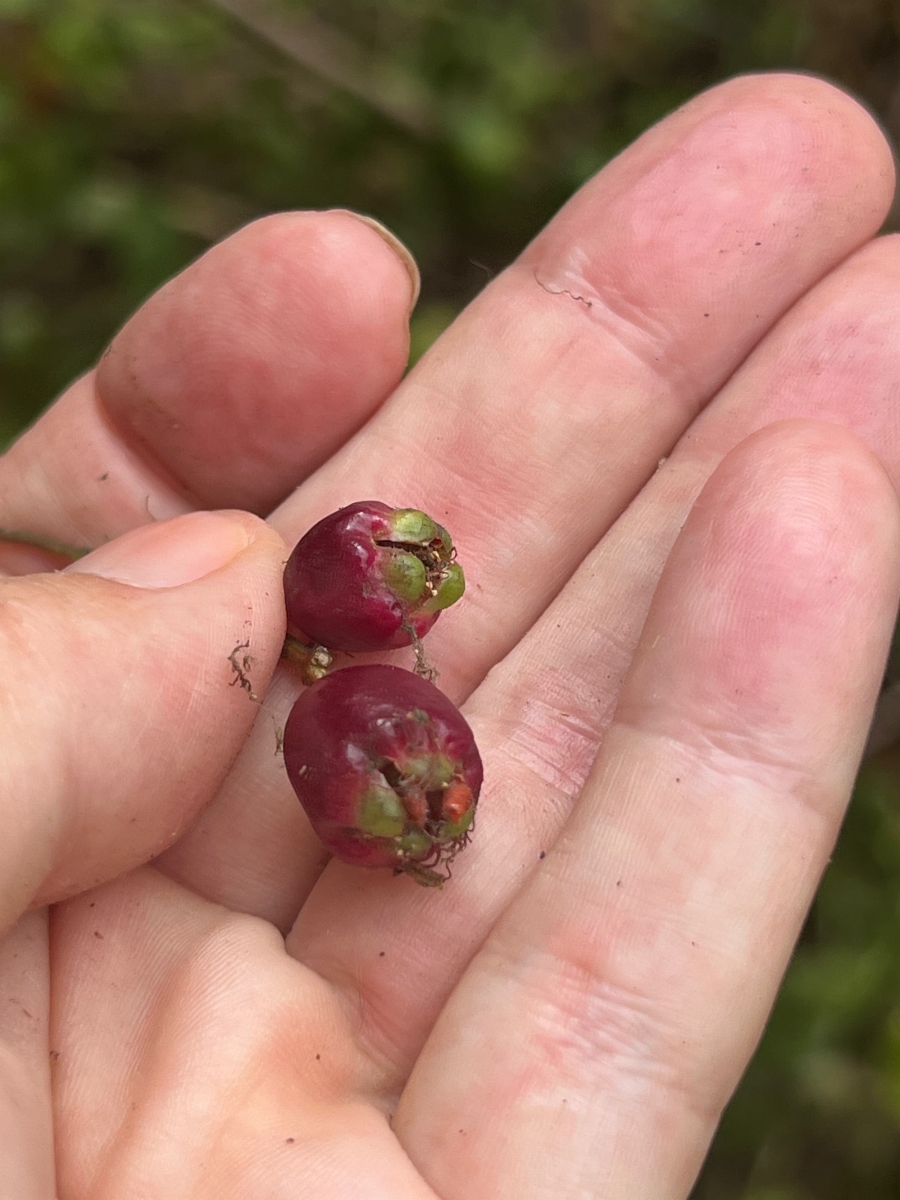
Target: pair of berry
{"type": "Point", "coordinates": [383, 763]}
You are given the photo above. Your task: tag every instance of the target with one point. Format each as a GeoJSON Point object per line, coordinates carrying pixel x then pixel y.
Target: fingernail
{"type": "Point", "coordinates": [397, 246]}
{"type": "Point", "coordinates": [170, 553]}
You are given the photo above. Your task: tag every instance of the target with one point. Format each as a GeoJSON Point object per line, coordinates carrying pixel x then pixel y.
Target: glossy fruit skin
{"type": "Point", "coordinates": [370, 577]}
{"type": "Point", "coordinates": [386, 769]}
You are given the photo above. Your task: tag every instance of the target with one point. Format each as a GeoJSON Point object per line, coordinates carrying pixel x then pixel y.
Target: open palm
{"type": "Point", "coordinates": [665, 565]}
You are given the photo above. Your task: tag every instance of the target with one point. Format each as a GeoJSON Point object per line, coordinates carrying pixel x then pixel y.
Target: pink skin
{"type": "Point", "coordinates": [339, 589]}
{"type": "Point", "coordinates": [385, 767]}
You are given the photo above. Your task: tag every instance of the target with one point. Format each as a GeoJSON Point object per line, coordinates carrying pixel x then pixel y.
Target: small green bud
{"type": "Point", "coordinates": [411, 525]}
{"type": "Point", "coordinates": [414, 844]}
{"type": "Point", "coordinates": [451, 587]}
{"type": "Point", "coordinates": [405, 575]}
{"type": "Point", "coordinates": [446, 540]}
{"type": "Point", "coordinates": [429, 771]}
{"type": "Point", "coordinates": [381, 813]}
{"type": "Point", "coordinates": [454, 829]}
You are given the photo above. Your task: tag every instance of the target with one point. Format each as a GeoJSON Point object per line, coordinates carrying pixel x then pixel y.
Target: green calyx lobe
{"type": "Point", "coordinates": [414, 844]}
{"type": "Point", "coordinates": [380, 812]}
{"type": "Point", "coordinates": [450, 830]}
{"type": "Point", "coordinates": [449, 590]}
{"type": "Point", "coordinates": [405, 575]}
{"type": "Point", "coordinates": [430, 771]}
{"type": "Point", "coordinates": [419, 565]}
{"type": "Point", "coordinates": [411, 525]}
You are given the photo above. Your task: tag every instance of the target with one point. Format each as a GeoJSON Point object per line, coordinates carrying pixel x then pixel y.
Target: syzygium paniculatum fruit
{"type": "Point", "coordinates": [386, 768]}
{"type": "Point", "coordinates": [370, 577]}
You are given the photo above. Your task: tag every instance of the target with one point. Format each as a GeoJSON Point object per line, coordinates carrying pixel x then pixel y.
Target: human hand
{"type": "Point", "coordinates": [569, 1015]}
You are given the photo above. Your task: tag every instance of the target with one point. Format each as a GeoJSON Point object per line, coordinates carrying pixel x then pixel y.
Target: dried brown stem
{"type": "Point", "coordinates": [335, 58]}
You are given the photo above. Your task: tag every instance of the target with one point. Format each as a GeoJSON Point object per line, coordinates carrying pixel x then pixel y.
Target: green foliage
{"type": "Point", "coordinates": [133, 133]}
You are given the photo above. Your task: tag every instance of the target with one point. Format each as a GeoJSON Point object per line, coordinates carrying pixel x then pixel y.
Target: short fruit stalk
{"type": "Point", "coordinates": [314, 662]}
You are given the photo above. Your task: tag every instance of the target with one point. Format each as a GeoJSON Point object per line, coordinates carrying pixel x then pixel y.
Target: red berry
{"type": "Point", "coordinates": [371, 577]}
{"type": "Point", "coordinates": [386, 768]}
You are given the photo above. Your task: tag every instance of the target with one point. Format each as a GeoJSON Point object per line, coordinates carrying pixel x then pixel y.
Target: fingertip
{"type": "Point", "coordinates": [182, 550]}
{"type": "Point", "coordinates": [264, 355]}
{"type": "Point", "coordinates": [399, 249]}
{"type": "Point", "coordinates": [770, 626]}
{"type": "Point", "coordinates": [828, 112]}
{"type": "Point", "coordinates": [803, 462]}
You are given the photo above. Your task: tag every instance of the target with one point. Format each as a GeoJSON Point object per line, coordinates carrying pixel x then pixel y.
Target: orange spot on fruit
{"type": "Point", "coordinates": [457, 801]}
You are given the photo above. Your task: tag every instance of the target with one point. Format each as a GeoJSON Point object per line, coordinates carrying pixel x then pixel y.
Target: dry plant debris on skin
{"type": "Point", "coordinates": [241, 667]}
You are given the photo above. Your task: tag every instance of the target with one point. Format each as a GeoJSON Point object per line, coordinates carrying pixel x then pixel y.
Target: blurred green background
{"type": "Point", "coordinates": [135, 132]}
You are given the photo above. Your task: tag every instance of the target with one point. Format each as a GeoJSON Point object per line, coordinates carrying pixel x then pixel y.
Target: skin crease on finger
{"type": "Point", "coordinates": [607, 393]}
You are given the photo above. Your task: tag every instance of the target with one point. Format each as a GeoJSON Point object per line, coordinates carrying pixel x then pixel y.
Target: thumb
{"type": "Point", "coordinates": [125, 696]}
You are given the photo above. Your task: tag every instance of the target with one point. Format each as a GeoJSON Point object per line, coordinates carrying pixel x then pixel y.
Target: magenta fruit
{"type": "Point", "coordinates": [386, 768]}
{"type": "Point", "coordinates": [370, 577]}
